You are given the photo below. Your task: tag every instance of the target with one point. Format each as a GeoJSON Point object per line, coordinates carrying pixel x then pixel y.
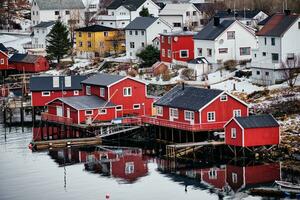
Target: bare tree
{"type": "Point", "coordinates": [117, 40]}
{"type": "Point", "coordinates": [291, 69]}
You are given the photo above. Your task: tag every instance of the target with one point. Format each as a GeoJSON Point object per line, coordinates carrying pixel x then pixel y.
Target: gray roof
{"type": "Point", "coordinates": [248, 14]}
{"type": "Point", "coordinates": [211, 32]}
{"type": "Point", "coordinates": [86, 102]}
{"type": "Point", "coordinates": [3, 48]}
{"type": "Point", "coordinates": [45, 83]}
{"type": "Point", "coordinates": [23, 58]}
{"type": "Point", "coordinates": [141, 23]}
{"type": "Point", "coordinates": [257, 121]}
{"type": "Point", "coordinates": [131, 5]}
{"type": "Point", "coordinates": [59, 4]}
{"type": "Point", "coordinates": [45, 24]}
{"type": "Point", "coordinates": [102, 79]}
{"type": "Point", "coordinates": [189, 98]}
{"type": "Point", "coordinates": [199, 60]}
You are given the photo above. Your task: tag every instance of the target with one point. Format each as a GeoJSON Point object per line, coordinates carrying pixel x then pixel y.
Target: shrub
{"type": "Point", "coordinates": [188, 74]}
{"type": "Point", "coordinates": [230, 65]}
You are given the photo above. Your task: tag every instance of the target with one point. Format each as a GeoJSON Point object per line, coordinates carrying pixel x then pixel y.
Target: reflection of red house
{"type": "Point", "coordinates": [215, 177]}
{"type": "Point", "coordinates": [28, 63]}
{"type": "Point", "coordinates": [251, 131]}
{"type": "Point", "coordinates": [241, 177]}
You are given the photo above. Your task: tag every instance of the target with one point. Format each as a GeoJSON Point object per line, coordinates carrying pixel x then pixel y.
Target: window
{"type": "Point", "coordinates": [56, 12]}
{"type": "Point", "coordinates": [2, 61]}
{"type": "Point", "coordinates": [211, 116]}
{"type": "Point", "coordinates": [92, 6]}
{"type": "Point", "coordinates": [80, 34]}
{"type": "Point", "coordinates": [159, 111]}
{"type": "Point", "coordinates": [224, 97]}
{"type": "Point", "coordinates": [119, 108]}
{"type": "Point", "coordinates": [88, 90]}
{"type": "Point", "coordinates": [102, 92]}
{"type": "Point", "coordinates": [176, 24]}
{"type": "Point", "coordinates": [257, 72]}
{"type": "Point", "coordinates": [33, 13]}
{"type": "Point", "coordinates": [194, 13]}
{"type": "Point", "coordinates": [131, 45]}
{"type": "Point", "coordinates": [102, 111]}
{"type": "Point", "coordinates": [194, 24]}
{"type": "Point", "coordinates": [143, 32]}
{"type": "Point", "coordinates": [67, 12]}
{"type": "Point", "coordinates": [89, 44]}
{"type": "Point", "coordinates": [127, 92]}
{"type": "Point", "coordinates": [234, 177]}
{"type": "Point", "coordinates": [101, 44]}
{"type": "Point", "coordinates": [237, 113]}
{"type": "Point", "coordinates": [174, 113]}
{"type": "Point", "coordinates": [209, 52]}
{"type": "Point", "coordinates": [143, 44]}
{"type": "Point", "coordinates": [89, 112]}
{"type": "Point", "coordinates": [265, 41]}
{"type": "Point", "coordinates": [273, 41]}
{"type": "Point", "coordinates": [89, 34]}
{"type": "Point", "coordinates": [46, 94]}
{"type": "Point", "coordinates": [245, 51]}
{"type": "Point", "coordinates": [184, 53]}
{"type": "Point", "coordinates": [233, 132]}
{"type": "Point", "coordinates": [163, 53]}
{"type": "Point", "coordinates": [129, 167]}
{"type": "Point", "coordinates": [223, 50]}
{"type": "Point", "coordinates": [212, 174]}
{"type": "Point", "coordinates": [76, 92]}
{"type": "Point", "coordinates": [169, 53]}
{"type": "Point", "coordinates": [130, 32]}
{"type": "Point", "coordinates": [136, 106]}
{"type": "Point", "coordinates": [188, 115]}
{"type": "Point", "coordinates": [187, 13]}
{"type": "Point", "coordinates": [136, 32]}
{"type": "Point", "coordinates": [264, 53]}
{"type": "Point", "coordinates": [230, 35]}
{"type": "Point", "coordinates": [80, 44]}
{"type": "Point", "coordinates": [169, 40]}
{"type": "Point", "coordinates": [162, 39]}
{"type": "Point", "coordinates": [199, 51]}
{"type": "Point", "coordinates": [275, 57]}
{"type": "Point", "coordinates": [105, 34]}
{"type": "Point", "coordinates": [267, 73]}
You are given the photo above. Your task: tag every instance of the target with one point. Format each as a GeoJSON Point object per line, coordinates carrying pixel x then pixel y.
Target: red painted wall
{"type": "Point", "coordinates": [95, 90]}
{"type": "Point", "coordinates": [238, 141]}
{"type": "Point", "coordinates": [261, 136]}
{"type": "Point", "coordinates": [38, 100]}
{"type": "Point", "coordinates": [267, 173]}
{"type": "Point", "coordinates": [183, 43]}
{"type": "Point", "coordinates": [5, 57]}
{"type": "Point", "coordinates": [40, 65]}
{"type": "Point", "coordinates": [230, 169]}
{"type": "Point", "coordinates": [166, 115]}
{"type": "Point", "coordinates": [218, 181]}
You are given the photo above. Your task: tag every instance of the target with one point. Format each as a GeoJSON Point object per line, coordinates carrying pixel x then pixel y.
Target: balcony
{"type": "Point", "coordinates": [57, 119]}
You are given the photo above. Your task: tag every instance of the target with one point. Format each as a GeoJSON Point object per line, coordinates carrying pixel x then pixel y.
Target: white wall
{"type": "Point", "coordinates": [39, 38]}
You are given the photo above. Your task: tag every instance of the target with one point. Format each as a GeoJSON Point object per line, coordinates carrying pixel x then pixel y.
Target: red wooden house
{"type": "Point", "coordinates": [255, 130]}
{"type": "Point", "coordinates": [178, 46]}
{"type": "Point", "coordinates": [47, 88]}
{"type": "Point", "coordinates": [28, 63]}
{"type": "Point", "coordinates": [3, 57]}
{"type": "Point", "coordinates": [196, 109]}
{"type": "Point", "coordinates": [214, 176]}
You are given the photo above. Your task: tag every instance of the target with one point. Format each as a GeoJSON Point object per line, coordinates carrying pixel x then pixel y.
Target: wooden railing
{"type": "Point", "coordinates": [132, 120]}
{"type": "Point", "coordinates": [55, 118]}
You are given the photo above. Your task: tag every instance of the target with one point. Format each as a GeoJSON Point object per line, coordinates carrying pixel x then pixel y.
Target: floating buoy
{"type": "Point", "coordinates": [107, 196]}
{"type": "Point", "coordinates": [30, 146]}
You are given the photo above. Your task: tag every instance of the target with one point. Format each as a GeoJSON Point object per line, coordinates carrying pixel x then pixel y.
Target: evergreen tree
{"type": "Point", "coordinates": [59, 43]}
{"type": "Point", "coordinates": [149, 56]}
{"type": "Point", "coordinates": [144, 12]}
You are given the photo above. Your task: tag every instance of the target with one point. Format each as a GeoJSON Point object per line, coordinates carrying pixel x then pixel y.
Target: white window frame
{"type": "Point", "coordinates": [163, 53]}
{"type": "Point", "coordinates": [214, 116]}
{"type": "Point", "coordinates": [174, 113]}
{"type": "Point", "coordinates": [102, 92]}
{"type": "Point", "coordinates": [234, 178]}
{"type": "Point", "coordinates": [86, 114]}
{"type": "Point", "coordinates": [191, 115]}
{"type": "Point", "coordinates": [126, 92]}
{"type": "Point", "coordinates": [222, 97]}
{"type": "Point", "coordinates": [120, 108]}
{"type": "Point", "coordinates": [88, 90]}
{"type": "Point", "coordinates": [102, 111]}
{"type": "Point", "coordinates": [46, 94]}
{"type": "Point", "coordinates": [159, 111]}
{"type": "Point", "coordinates": [233, 133]}
{"type": "Point", "coordinates": [2, 61]}
{"type": "Point", "coordinates": [212, 174]}
{"type": "Point", "coordinates": [237, 111]}
{"type": "Point", "coordinates": [136, 106]}
{"type": "Point", "coordinates": [76, 92]}
{"type": "Point", "coordinates": [129, 168]}
{"type": "Point", "coordinates": [169, 53]}
{"type": "Point", "coordinates": [187, 51]}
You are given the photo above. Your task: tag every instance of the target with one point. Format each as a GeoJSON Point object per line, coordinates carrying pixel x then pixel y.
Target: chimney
{"type": "Point", "coordinates": [185, 28]}
{"type": "Point", "coordinates": [182, 84]}
{"type": "Point", "coordinates": [287, 12]}
{"type": "Point", "coordinates": [216, 21]}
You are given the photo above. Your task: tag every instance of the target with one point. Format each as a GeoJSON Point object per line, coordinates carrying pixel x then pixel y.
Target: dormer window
{"type": "Point", "coordinates": [224, 97]}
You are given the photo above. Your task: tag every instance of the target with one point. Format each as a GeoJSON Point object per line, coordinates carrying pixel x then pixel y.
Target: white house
{"type": "Point", "coordinates": [182, 15]}
{"type": "Point", "coordinates": [51, 10]}
{"type": "Point", "coordinates": [39, 34]}
{"type": "Point", "coordinates": [121, 12]}
{"type": "Point", "coordinates": [141, 32]}
{"type": "Point", "coordinates": [278, 41]}
{"type": "Point", "coordinates": [223, 40]}
{"type": "Point", "coordinates": [91, 5]}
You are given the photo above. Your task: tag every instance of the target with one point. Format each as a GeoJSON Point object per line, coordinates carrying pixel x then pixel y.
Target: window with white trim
{"type": "Point", "coordinates": [211, 116]}
{"type": "Point", "coordinates": [174, 113]}
{"type": "Point", "coordinates": [102, 92]}
{"type": "Point", "coordinates": [119, 108]}
{"type": "Point", "coordinates": [127, 92]}
{"type": "Point", "coordinates": [234, 177]}
{"type": "Point", "coordinates": [237, 113]}
{"type": "Point", "coordinates": [212, 174]}
{"type": "Point", "coordinates": [129, 167]}
{"type": "Point", "coordinates": [163, 53]}
{"type": "Point", "coordinates": [159, 111]}
{"type": "Point", "coordinates": [136, 106]}
{"type": "Point", "coordinates": [230, 35]}
{"type": "Point", "coordinates": [102, 111]}
{"type": "Point", "coordinates": [89, 112]}
{"type": "Point", "coordinates": [188, 115]}
{"type": "Point", "coordinates": [233, 133]}
{"type": "Point", "coordinates": [184, 53]}
{"type": "Point", "coordinates": [46, 94]}
{"type": "Point", "coordinates": [88, 90]}
{"type": "Point", "coordinates": [76, 92]}
{"type": "Point", "coordinates": [169, 53]}
{"type": "Point", "coordinates": [224, 97]}
{"type": "Point", "coordinates": [1, 61]}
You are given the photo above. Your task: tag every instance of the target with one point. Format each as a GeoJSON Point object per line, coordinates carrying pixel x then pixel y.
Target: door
{"type": "Point", "coordinates": [59, 111]}
{"type": "Point", "coordinates": [68, 113]}
{"type": "Point", "coordinates": [192, 118]}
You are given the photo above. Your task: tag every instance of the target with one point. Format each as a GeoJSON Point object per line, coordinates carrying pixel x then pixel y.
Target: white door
{"type": "Point", "coordinates": [192, 118]}
{"type": "Point", "coordinates": [68, 113]}
{"type": "Point", "coordinates": [59, 111]}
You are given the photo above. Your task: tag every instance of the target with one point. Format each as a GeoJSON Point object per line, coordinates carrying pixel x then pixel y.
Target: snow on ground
{"type": "Point", "coordinates": [80, 63]}
{"type": "Point", "coordinates": [15, 41]}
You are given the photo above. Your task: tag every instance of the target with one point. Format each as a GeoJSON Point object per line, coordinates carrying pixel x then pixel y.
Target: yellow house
{"type": "Point", "coordinates": [99, 41]}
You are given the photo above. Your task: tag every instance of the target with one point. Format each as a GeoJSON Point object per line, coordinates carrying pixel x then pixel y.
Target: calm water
{"type": "Point", "coordinates": [124, 173]}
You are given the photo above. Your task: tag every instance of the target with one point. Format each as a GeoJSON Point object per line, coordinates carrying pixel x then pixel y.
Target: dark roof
{"type": "Point", "coordinates": [189, 98]}
{"type": "Point", "coordinates": [3, 48]}
{"type": "Point", "coordinates": [59, 4]}
{"type": "Point", "coordinates": [204, 6]}
{"type": "Point", "coordinates": [131, 5]}
{"type": "Point", "coordinates": [257, 121]}
{"type": "Point", "coordinates": [102, 79]}
{"type": "Point", "coordinates": [211, 32]}
{"type": "Point", "coordinates": [141, 23]}
{"type": "Point", "coordinates": [95, 28]}
{"type": "Point", "coordinates": [45, 24]}
{"type": "Point", "coordinates": [263, 22]}
{"type": "Point", "coordinates": [86, 102]}
{"type": "Point", "coordinates": [23, 58]}
{"type": "Point", "coordinates": [278, 25]}
{"type": "Point", "coordinates": [45, 83]}
{"type": "Point", "coordinates": [199, 60]}
{"type": "Point", "coordinates": [248, 14]}
{"type": "Point", "coordinates": [160, 4]}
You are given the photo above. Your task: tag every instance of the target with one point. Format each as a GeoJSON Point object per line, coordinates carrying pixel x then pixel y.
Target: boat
{"type": "Point", "coordinates": [288, 184]}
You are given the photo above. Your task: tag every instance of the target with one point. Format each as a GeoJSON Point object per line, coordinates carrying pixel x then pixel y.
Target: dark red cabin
{"type": "Point", "coordinates": [28, 63]}
{"type": "Point", "coordinates": [3, 57]}
{"type": "Point", "coordinates": [255, 130]}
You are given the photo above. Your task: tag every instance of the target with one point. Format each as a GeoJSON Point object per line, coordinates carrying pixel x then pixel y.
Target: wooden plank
{"type": "Point", "coordinates": [192, 144]}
